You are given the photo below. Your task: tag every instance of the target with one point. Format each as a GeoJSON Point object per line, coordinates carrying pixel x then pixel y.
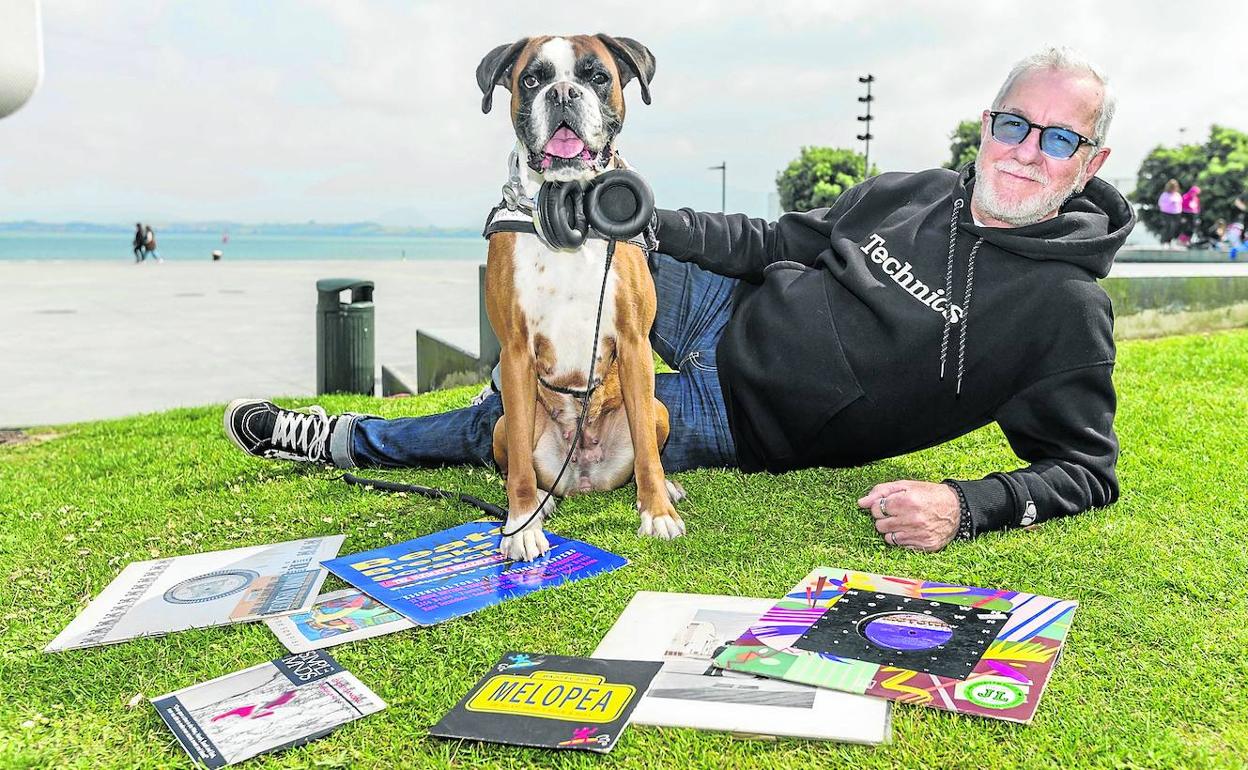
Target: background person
{"type": "Point", "coordinates": [149, 244]}
{"type": "Point", "coordinates": [139, 239]}
{"type": "Point", "coordinates": [1190, 232]}
{"type": "Point", "coordinates": [1170, 204]}
{"type": "Point", "coordinates": [1234, 238]}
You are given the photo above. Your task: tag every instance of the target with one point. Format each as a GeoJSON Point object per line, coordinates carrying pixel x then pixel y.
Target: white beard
{"type": "Point", "coordinates": [1027, 211]}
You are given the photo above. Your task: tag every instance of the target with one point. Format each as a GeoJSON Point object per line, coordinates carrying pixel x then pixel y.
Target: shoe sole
{"type": "Point", "coordinates": [229, 429]}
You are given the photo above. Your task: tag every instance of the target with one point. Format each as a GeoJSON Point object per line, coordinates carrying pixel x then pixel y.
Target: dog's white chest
{"type": "Point", "coordinates": [558, 292]}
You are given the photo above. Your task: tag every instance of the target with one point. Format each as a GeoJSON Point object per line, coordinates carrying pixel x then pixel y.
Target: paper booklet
{"type": "Point", "coordinates": [685, 631]}
{"type": "Point", "coordinates": [458, 571]}
{"type": "Point", "coordinates": [335, 618]}
{"type": "Point", "coordinates": [550, 701]}
{"type": "Point", "coordinates": [272, 706]}
{"type": "Point", "coordinates": [150, 598]}
{"type": "Point", "coordinates": [980, 651]}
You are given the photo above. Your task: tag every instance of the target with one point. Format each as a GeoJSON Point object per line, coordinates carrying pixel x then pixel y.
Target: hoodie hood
{"type": "Point", "coordinates": [1088, 230]}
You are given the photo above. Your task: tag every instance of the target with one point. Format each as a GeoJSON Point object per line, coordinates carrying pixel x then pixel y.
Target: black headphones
{"type": "Point", "coordinates": [617, 204]}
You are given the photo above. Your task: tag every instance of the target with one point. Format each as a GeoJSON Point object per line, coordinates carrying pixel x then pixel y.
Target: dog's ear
{"type": "Point", "coordinates": [633, 60]}
{"type": "Point", "coordinates": [495, 70]}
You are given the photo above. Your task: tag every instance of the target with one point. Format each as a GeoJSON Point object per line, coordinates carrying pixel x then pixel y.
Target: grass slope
{"type": "Point", "coordinates": [1152, 675]}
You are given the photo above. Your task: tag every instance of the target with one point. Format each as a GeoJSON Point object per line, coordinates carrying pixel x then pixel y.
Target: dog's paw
{"type": "Point", "coordinates": [675, 492]}
{"type": "Point", "coordinates": [530, 542]}
{"type": "Point", "coordinates": [526, 545]}
{"type": "Point", "coordinates": [666, 526]}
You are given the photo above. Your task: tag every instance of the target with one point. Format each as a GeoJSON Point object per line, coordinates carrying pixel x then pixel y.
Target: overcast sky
{"type": "Point", "coordinates": [350, 110]}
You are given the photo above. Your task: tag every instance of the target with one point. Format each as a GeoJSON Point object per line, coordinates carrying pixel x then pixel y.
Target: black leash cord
{"type": "Point", "coordinates": [390, 486]}
{"type": "Point", "coordinates": [490, 508]}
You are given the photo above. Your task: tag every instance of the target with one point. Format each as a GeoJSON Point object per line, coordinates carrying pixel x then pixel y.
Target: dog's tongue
{"type": "Point", "coordinates": [564, 144]}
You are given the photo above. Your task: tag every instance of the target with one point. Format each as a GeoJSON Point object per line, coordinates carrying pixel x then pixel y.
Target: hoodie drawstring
{"type": "Point", "coordinates": [966, 313]}
{"type": "Point", "coordinates": [966, 301]}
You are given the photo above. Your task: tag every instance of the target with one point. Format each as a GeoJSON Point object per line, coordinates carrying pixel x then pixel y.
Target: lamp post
{"type": "Point", "coordinates": [722, 168]}
{"type": "Point", "coordinates": [865, 136]}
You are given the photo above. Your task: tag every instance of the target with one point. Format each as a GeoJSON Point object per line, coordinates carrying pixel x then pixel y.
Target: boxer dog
{"type": "Point", "coordinates": [567, 106]}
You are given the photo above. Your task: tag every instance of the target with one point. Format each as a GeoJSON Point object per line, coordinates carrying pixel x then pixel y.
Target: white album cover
{"type": "Point", "coordinates": [686, 631]}
{"type": "Point", "coordinates": [150, 598]}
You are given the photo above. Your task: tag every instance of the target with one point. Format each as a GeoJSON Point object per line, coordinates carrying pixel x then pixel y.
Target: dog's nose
{"type": "Point", "coordinates": [562, 93]}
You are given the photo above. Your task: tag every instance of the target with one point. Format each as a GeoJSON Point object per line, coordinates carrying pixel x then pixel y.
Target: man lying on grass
{"type": "Point", "coordinates": [917, 308]}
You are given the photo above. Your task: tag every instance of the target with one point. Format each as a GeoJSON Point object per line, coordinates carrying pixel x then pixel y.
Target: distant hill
{"type": "Point", "coordinates": [236, 228]}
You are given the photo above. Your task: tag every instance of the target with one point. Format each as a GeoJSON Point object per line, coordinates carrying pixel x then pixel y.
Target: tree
{"type": "Point", "coordinates": [964, 144]}
{"type": "Point", "coordinates": [818, 176]}
{"type": "Point", "coordinates": [1222, 182]}
{"type": "Point", "coordinates": [1219, 167]}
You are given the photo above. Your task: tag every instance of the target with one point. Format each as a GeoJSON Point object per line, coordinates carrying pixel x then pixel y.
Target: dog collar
{"type": "Point", "coordinates": [586, 393]}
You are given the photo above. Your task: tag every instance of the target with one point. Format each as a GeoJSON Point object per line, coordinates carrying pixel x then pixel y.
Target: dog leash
{"type": "Point", "coordinates": [391, 486]}
{"type": "Point", "coordinates": [488, 507]}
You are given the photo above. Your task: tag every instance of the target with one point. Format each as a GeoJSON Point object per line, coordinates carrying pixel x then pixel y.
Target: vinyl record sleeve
{"type": "Point", "coordinates": [995, 662]}
{"type": "Point", "coordinates": [685, 632]}
{"type": "Point", "coordinates": [550, 701]}
{"type": "Point", "coordinates": [150, 598]}
{"type": "Point", "coordinates": [336, 618]}
{"type": "Point", "coordinates": [272, 706]}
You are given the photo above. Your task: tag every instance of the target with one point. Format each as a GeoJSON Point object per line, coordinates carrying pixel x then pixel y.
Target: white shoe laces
{"type": "Point", "coordinates": [304, 433]}
{"type": "Point", "coordinates": [483, 395]}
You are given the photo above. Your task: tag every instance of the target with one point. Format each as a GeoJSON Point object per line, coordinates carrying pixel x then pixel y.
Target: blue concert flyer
{"type": "Point", "coordinates": [458, 571]}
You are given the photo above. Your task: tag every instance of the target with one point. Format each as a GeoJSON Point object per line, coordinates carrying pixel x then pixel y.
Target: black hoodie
{"type": "Point", "coordinates": [845, 348]}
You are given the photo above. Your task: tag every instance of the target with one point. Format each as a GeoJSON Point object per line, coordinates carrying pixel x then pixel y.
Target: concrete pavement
{"type": "Point", "coordinates": [89, 341]}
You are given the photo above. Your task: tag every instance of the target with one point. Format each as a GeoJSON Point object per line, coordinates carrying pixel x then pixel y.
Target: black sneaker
{"type": "Point", "coordinates": [264, 429]}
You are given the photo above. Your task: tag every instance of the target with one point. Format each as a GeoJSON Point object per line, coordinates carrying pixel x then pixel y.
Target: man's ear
{"type": "Point", "coordinates": [632, 59]}
{"type": "Point", "coordinates": [495, 70]}
{"type": "Point", "coordinates": [1094, 165]}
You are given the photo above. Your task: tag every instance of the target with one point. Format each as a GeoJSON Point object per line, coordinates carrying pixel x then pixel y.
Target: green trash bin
{"type": "Point", "coordinates": [345, 349]}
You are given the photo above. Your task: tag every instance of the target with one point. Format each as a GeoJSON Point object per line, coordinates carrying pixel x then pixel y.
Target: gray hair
{"type": "Point", "coordinates": [1065, 59]}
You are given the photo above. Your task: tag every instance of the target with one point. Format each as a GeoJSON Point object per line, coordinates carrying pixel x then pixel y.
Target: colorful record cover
{"type": "Point", "coordinates": [552, 702]}
{"type": "Point", "coordinates": [272, 706]}
{"type": "Point", "coordinates": [686, 632]}
{"type": "Point", "coordinates": [971, 650]}
{"type": "Point", "coordinates": [458, 571]}
{"type": "Point", "coordinates": [150, 598]}
{"type": "Point", "coordinates": [335, 618]}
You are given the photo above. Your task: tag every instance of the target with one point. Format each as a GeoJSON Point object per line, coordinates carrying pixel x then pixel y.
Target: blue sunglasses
{"type": "Point", "coordinates": [1056, 142]}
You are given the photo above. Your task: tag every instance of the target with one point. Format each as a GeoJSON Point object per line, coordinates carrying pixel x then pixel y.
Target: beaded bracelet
{"type": "Point", "coordinates": [966, 525]}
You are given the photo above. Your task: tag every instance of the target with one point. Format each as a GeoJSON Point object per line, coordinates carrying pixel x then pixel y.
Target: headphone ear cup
{"type": "Point", "coordinates": [619, 203]}
{"type": "Point", "coordinates": [559, 215]}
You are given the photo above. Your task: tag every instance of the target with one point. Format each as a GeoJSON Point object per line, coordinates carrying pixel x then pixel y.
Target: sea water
{"type": "Point", "coordinates": [73, 246]}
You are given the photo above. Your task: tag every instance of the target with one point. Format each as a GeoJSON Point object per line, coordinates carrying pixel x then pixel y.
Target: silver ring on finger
{"type": "Point", "coordinates": [884, 506]}
{"type": "Point", "coordinates": [891, 537]}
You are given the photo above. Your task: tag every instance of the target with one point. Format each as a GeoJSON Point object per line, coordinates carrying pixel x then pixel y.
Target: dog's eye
{"type": "Point", "coordinates": [600, 79]}
{"type": "Point", "coordinates": [530, 81]}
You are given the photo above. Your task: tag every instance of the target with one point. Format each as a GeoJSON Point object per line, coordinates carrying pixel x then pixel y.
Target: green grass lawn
{"type": "Point", "coordinates": [1152, 676]}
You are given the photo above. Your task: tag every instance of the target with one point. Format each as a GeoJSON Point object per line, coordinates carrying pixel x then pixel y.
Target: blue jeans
{"type": "Point", "coordinates": [693, 307]}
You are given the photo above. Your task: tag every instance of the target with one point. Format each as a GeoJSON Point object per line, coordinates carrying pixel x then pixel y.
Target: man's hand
{"type": "Point", "coordinates": [917, 515]}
